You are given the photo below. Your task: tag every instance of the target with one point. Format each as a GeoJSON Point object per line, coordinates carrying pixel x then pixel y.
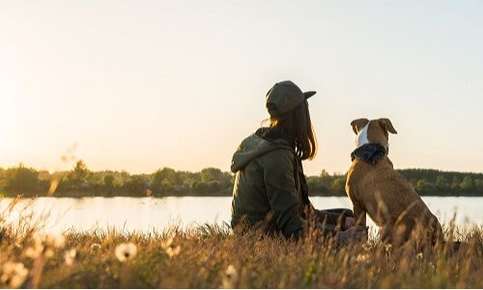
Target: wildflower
{"type": "Point", "coordinates": [37, 238]}
{"type": "Point", "coordinates": [173, 251]}
{"type": "Point", "coordinates": [169, 248]}
{"type": "Point", "coordinates": [34, 252]}
{"type": "Point", "coordinates": [419, 256]}
{"type": "Point", "coordinates": [48, 253]}
{"type": "Point", "coordinates": [167, 243]}
{"type": "Point", "coordinates": [388, 248]}
{"type": "Point", "coordinates": [95, 247]}
{"type": "Point", "coordinates": [56, 241]}
{"type": "Point", "coordinates": [362, 258]}
{"type": "Point", "coordinates": [230, 277]}
{"type": "Point", "coordinates": [13, 274]}
{"type": "Point", "coordinates": [69, 256]}
{"type": "Point", "coordinates": [44, 245]}
{"type": "Point", "coordinates": [125, 251]}
{"type": "Point", "coordinates": [36, 249]}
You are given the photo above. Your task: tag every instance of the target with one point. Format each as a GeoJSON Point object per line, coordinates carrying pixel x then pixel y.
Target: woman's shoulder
{"type": "Point", "coordinates": [256, 147]}
{"type": "Point", "coordinates": [279, 158]}
{"type": "Point", "coordinates": [273, 135]}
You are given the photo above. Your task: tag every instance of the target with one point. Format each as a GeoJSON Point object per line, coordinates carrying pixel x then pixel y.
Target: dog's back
{"type": "Point", "coordinates": [390, 200]}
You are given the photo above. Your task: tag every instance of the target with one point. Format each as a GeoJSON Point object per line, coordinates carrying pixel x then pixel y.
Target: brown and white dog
{"type": "Point", "coordinates": [375, 188]}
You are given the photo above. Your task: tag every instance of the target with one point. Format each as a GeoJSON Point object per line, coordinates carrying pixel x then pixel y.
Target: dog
{"type": "Point", "coordinates": [375, 188]}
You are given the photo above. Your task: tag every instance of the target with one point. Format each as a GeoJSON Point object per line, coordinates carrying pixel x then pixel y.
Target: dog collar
{"type": "Point", "coordinates": [370, 153]}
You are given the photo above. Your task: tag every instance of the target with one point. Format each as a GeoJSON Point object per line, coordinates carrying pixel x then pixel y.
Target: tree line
{"type": "Point", "coordinates": [82, 182]}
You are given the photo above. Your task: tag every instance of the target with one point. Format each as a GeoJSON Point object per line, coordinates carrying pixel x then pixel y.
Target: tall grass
{"type": "Point", "coordinates": [214, 257]}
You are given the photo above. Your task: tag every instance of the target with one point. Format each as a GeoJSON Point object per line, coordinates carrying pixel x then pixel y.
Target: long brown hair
{"type": "Point", "coordinates": [297, 127]}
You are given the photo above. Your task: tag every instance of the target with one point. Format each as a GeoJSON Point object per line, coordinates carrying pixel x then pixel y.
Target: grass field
{"type": "Point", "coordinates": [213, 257]}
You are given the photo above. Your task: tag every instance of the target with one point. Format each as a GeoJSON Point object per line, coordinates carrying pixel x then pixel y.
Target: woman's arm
{"type": "Point", "coordinates": [282, 192]}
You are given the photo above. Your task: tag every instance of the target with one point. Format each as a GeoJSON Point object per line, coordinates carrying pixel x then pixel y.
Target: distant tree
{"type": "Point", "coordinates": [467, 184]}
{"type": "Point", "coordinates": [441, 183]}
{"type": "Point", "coordinates": [164, 180]}
{"type": "Point", "coordinates": [109, 183]}
{"type": "Point", "coordinates": [211, 174]}
{"type": "Point", "coordinates": [76, 179]}
{"type": "Point", "coordinates": [455, 184]}
{"type": "Point", "coordinates": [2, 179]}
{"type": "Point", "coordinates": [80, 170]}
{"type": "Point", "coordinates": [338, 185]}
{"type": "Point", "coordinates": [23, 180]}
{"type": "Point", "coordinates": [424, 187]}
{"type": "Point", "coordinates": [80, 181]}
{"type": "Point", "coordinates": [205, 188]}
{"type": "Point", "coordinates": [315, 185]}
{"type": "Point", "coordinates": [479, 184]}
{"type": "Point", "coordinates": [136, 185]}
{"type": "Point", "coordinates": [324, 173]}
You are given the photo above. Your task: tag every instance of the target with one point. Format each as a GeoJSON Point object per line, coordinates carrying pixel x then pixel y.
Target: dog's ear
{"type": "Point", "coordinates": [387, 125]}
{"type": "Point", "coordinates": [358, 124]}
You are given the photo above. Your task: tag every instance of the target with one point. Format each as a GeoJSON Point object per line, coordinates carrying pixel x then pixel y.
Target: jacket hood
{"type": "Point", "coordinates": [252, 147]}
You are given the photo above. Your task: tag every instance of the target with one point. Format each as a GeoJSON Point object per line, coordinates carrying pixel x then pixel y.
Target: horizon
{"type": "Point", "coordinates": [26, 165]}
{"type": "Point", "coordinates": [141, 86]}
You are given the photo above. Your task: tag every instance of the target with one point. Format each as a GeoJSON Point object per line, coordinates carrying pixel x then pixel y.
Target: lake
{"type": "Point", "coordinates": [155, 214]}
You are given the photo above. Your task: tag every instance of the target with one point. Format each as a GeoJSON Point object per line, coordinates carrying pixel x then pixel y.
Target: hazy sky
{"type": "Point", "coordinates": [139, 85]}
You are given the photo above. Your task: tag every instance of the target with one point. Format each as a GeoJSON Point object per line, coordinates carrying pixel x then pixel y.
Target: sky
{"type": "Point", "coordinates": [140, 85]}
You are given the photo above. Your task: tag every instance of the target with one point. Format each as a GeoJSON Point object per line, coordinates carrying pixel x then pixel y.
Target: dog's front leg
{"type": "Point", "coordinates": [360, 215]}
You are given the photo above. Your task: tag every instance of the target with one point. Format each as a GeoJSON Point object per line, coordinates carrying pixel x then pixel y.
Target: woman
{"type": "Point", "coordinates": [270, 190]}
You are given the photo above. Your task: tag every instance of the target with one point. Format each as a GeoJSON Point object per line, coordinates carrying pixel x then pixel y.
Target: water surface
{"type": "Point", "coordinates": [155, 214]}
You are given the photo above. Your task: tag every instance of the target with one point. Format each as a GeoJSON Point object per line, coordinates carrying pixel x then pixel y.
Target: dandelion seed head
{"type": "Point", "coordinates": [44, 245]}
{"type": "Point", "coordinates": [69, 257]}
{"type": "Point", "coordinates": [95, 247]}
{"type": "Point", "coordinates": [37, 238]}
{"type": "Point", "coordinates": [13, 274]}
{"type": "Point", "coordinates": [33, 252]}
{"type": "Point", "coordinates": [388, 247]}
{"type": "Point", "coordinates": [167, 243]}
{"type": "Point", "coordinates": [56, 241]}
{"type": "Point", "coordinates": [231, 270]}
{"type": "Point", "coordinates": [48, 253]}
{"type": "Point", "coordinates": [125, 251]}
{"type": "Point", "coordinates": [173, 251]}
{"type": "Point", "coordinates": [362, 258]}
{"type": "Point", "coordinates": [230, 277]}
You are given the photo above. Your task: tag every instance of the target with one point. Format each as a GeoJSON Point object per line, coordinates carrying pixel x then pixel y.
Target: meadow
{"type": "Point", "coordinates": [214, 257]}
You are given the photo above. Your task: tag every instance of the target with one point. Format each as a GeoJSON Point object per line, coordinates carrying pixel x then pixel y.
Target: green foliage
{"type": "Point", "coordinates": [136, 185]}
{"type": "Point", "coordinates": [80, 181]}
{"type": "Point", "coordinates": [22, 180]}
{"type": "Point", "coordinates": [444, 183]}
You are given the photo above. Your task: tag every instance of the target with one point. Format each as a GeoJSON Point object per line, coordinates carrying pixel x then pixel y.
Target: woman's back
{"type": "Point", "coordinates": [266, 189]}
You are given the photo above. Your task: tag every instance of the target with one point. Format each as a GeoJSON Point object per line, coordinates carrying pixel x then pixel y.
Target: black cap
{"type": "Point", "coordinates": [285, 96]}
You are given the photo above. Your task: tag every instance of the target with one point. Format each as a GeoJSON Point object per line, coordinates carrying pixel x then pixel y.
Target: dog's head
{"type": "Point", "coordinates": [373, 131]}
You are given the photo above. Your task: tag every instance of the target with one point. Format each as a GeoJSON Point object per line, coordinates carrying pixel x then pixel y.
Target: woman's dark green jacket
{"type": "Point", "coordinates": [269, 187]}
